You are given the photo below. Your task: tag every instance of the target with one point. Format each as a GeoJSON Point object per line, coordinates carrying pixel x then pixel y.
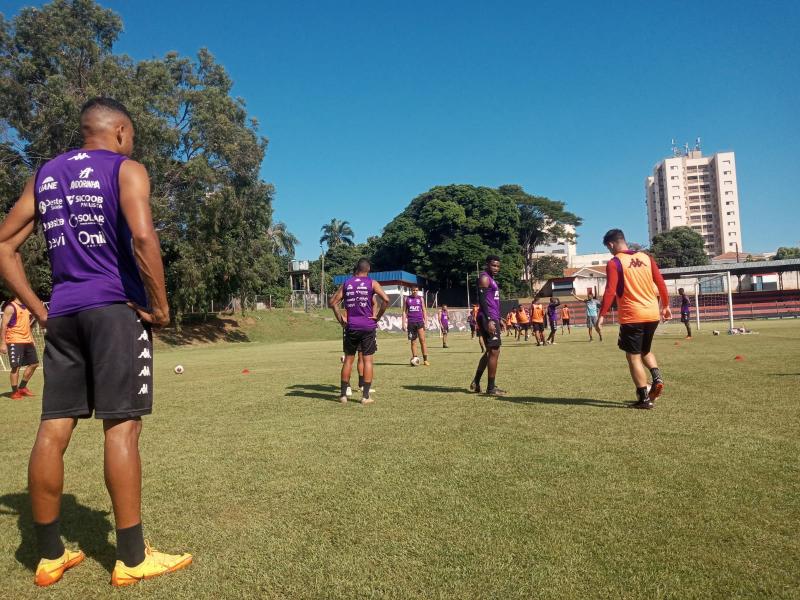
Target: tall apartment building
{"type": "Point", "coordinates": [698, 191]}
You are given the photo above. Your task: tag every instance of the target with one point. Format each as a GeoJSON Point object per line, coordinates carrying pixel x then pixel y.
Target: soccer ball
{"type": "Point", "coordinates": [178, 369]}
{"type": "Point", "coordinates": [342, 359]}
{"type": "Point", "coordinates": [415, 361]}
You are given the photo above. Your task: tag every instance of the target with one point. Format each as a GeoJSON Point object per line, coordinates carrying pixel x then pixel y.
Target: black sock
{"type": "Point", "coordinates": [641, 394]}
{"type": "Point", "coordinates": [14, 388]}
{"type": "Point", "coordinates": [48, 540]}
{"type": "Point", "coordinates": [365, 389]}
{"type": "Point", "coordinates": [345, 385]}
{"type": "Point", "coordinates": [130, 545]}
{"type": "Point", "coordinates": [361, 381]}
{"type": "Point", "coordinates": [23, 384]}
{"type": "Point", "coordinates": [655, 373]}
{"type": "Point", "coordinates": [490, 385]}
{"type": "Point", "coordinates": [424, 357]}
{"type": "Point", "coordinates": [481, 368]}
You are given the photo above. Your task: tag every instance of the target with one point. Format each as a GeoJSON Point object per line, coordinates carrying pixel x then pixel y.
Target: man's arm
{"type": "Point", "coordinates": [403, 314]}
{"type": "Point", "coordinates": [134, 200]}
{"type": "Point", "coordinates": [378, 290]}
{"type": "Point", "coordinates": [8, 313]}
{"type": "Point", "coordinates": [14, 230]}
{"type": "Point", "coordinates": [613, 281]}
{"type": "Point", "coordinates": [663, 294]}
{"type": "Point", "coordinates": [483, 301]}
{"type": "Point", "coordinates": [334, 302]}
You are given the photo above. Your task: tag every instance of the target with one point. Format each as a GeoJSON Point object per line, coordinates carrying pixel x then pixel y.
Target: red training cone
{"type": "Point", "coordinates": [738, 357]}
{"type": "Point", "coordinates": [245, 371]}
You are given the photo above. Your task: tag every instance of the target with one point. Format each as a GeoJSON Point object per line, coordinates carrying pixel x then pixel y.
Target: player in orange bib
{"type": "Point", "coordinates": [634, 280]}
{"type": "Point", "coordinates": [537, 320]}
{"type": "Point", "coordinates": [16, 340]}
{"type": "Point", "coordinates": [565, 319]}
{"type": "Point", "coordinates": [523, 321]}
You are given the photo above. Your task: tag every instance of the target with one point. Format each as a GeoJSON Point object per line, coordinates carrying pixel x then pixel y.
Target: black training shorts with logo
{"type": "Point", "coordinates": [98, 361]}
{"type": "Point", "coordinates": [637, 338]}
{"type": "Point", "coordinates": [357, 340]}
{"type": "Point", "coordinates": [685, 317]}
{"type": "Point", "coordinates": [413, 330]}
{"type": "Point", "coordinates": [489, 340]}
{"type": "Point", "coordinates": [22, 355]}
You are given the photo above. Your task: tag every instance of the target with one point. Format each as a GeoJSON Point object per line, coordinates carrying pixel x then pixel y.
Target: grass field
{"type": "Point", "coordinates": [554, 492]}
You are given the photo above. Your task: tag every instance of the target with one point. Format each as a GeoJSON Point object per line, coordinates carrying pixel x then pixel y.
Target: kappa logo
{"type": "Point", "coordinates": [145, 372]}
{"type": "Point", "coordinates": [48, 184]}
{"type": "Point", "coordinates": [635, 263]}
{"type": "Point", "coordinates": [80, 156]}
{"type": "Point", "coordinates": [145, 354]}
{"type": "Point", "coordinates": [143, 337]}
{"type": "Point", "coordinates": [142, 390]}
{"type": "Point", "coordinates": [84, 174]}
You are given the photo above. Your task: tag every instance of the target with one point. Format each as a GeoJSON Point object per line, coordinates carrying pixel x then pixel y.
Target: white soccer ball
{"type": "Point", "coordinates": [342, 359]}
{"type": "Point", "coordinates": [415, 361]}
{"type": "Point", "coordinates": [178, 369]}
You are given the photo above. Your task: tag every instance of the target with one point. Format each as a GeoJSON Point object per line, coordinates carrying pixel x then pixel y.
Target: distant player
{"type": "Point", "coordinates": [552, 319]}
{"type": "Point", "coordinates": [16, 340]}
{"type": "Point", "coordinates": [444, 323]}
{"type": "Point", "coordinates": [473, 325]}
{"type": "Point", "coordinates": [108, 291]}
{"type": "Point", "coordinates": [489, 322]}
{"type": "Point", "coordinates": [565, 319]}
{"type": "Point", "coordinates": [360, 327]}
{"type": "Point", "coordinates": [686, 307]}
{"type": "Point", "coordinates": [511, 324]}
{"type": "Point", "coordinates": [523, 322]}
{"type": "Point", "coordinates": [537, 322]}
{"type": "Point", "coordinates": [632, 277]}
{"type": "Point", "coordinates": [415, 316]}
{"type": "Point", "coordinates": [592, 314]}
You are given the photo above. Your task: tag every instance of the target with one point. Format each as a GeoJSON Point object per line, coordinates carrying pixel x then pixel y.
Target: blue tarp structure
{"type": "Point", "coordinates": [393, 277]}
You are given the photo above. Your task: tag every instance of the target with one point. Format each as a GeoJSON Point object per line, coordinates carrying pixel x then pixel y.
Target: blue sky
{"type": "Point", "coordinates": [367, 104]}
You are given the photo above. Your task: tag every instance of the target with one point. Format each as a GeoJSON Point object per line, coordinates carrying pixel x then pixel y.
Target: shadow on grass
{"type": "Point", "coordinates": [317, 391]}
{"type": "Point", "coordinates": [442, 389]}
{"type": "Point", "coordinates": [212, 329]}
{"type": "Point", "coordinates": [564, 401]}
{"type": "Point", "coordinates": [82, 525]}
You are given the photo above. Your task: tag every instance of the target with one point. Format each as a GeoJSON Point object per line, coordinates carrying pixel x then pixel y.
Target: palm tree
{"type": "Point", "coordinates": [335, 233]}
{"type": "Point", "coordinates": [283, 241]}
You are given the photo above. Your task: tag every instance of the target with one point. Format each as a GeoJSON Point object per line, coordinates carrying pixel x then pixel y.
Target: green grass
{"type": "Point", "coordinates": [554, 492]}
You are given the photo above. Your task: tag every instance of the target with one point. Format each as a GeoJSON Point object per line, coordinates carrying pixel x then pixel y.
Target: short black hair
{"type": "Point", "coordinates": [680, 291]}
{"type": "Point", "coordinates": [105, 103]}
{"type": "Point", "coordinates": [492, 258]}
{"type": "Point", "coordinates": [613, 235]}
{"type": "Point", "coordinates": [362, 265]}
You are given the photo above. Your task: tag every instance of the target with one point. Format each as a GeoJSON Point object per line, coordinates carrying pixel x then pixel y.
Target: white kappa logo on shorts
{"type": "Point", "coordinates": [145, 372]}
{"type": "Point", "coordinates": [143, 390]}
{"type": "Point", "coordinates": [143, 337]}
{"type": "Point", "coordinates": [145, 353]}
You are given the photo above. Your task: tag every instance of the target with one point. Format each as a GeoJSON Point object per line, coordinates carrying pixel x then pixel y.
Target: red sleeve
{"type": "Point", "coordinates": [660, 284]}
{"type": "Point", "coordinates": [613, 280]}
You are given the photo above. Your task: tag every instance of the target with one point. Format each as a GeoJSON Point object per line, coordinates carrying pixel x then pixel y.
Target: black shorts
{"type": "Point", "coordinates": [685, 317]}
{"type": "Point", "coordinates": [637, 338]}
{"type": "Point", "coordinates": [538, 327]}
{"type": "Point", "coordinates": [472, 327]}
{"type": "Point", "coordinates": [492, 341]}
{"type": "Point", "coordinates": [445, 328]}
{"type": "Point", "coordinates": [358, 340]}
{"type": "Point", "coordinates": [565, 321]}
{"type": "Point", "coordinates": [413, 330]}
{"type": "Point", "coordinates": [98, 361]}
{"type": "Point", "coordinates": [553, 325]}
{"type": "Point", "coordinates": [22, 355]}
{"type": "Point", "coordinates": [524, 326]}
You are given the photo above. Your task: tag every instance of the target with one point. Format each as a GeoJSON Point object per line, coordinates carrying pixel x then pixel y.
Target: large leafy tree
{"type": "Point", "coordinates": [547, 266]}
{"type": "Point", "coordinates": [785, 252]}
{"type": "Point", "coordinates": [337, 233]}
{"type": "Point", "coordinates": [203, 153]}
{"type": "Point", "coordinates": [446, 232]}
{"type": "Point", "coordinates": [541, 221]}
{"type": "Point", "coordinates": [678, 247]}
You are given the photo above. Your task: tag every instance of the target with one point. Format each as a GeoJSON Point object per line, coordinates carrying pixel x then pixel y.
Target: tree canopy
{"type": "Point", "coordinates": [678, 247]}
{"type": "Point", "coordinates": [786, 252]}
{"type": "Point", "coordinates": [337, 233]}
{"type": "Point", "coordinates": [212, 211]}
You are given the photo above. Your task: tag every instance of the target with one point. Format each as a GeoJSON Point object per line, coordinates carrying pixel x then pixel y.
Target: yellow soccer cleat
{"type": "Point", "coordinates": [50, 571]}
{"type": "Point", "coordinates": [154, 564]}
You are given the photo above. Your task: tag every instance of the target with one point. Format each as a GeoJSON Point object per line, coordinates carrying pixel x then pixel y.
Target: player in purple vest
{"type": "Point", "coordinates": [444, 323]}
{"type": "Point", "coordinates": [362, 321]}
{"type": "Point", "coordinates": [108, 291]}
{"type": "Point", "coordinates": [414, 319]}
{"type": "Point", "coordinates": [489, 322]}
{"type": "Point", "coordinates": [552, 319]}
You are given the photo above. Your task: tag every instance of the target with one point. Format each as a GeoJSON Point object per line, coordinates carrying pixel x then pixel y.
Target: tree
{"type": "Point", "coordinates": [203, 152]}
{"type": "Point", "coordinates": [679, 247]}
{"type": "Point", "coordinates": [336, 232]}
{"type": "Point", "coordinates": [283, 241]}
{"type": "Point", "coordinates": [446, 232]}
{"type": "Point", "coordinates": [786, 252]}
{"type": "Point", "coordinates": [547, 266]}
{"type": "Point", "coordinates": [541, 221]}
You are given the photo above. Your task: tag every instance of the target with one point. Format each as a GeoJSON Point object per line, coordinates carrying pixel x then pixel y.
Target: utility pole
{"type": "Point", "coordinates": [322, 279]}
{"type": "Point", "coordinates": [468, 304]}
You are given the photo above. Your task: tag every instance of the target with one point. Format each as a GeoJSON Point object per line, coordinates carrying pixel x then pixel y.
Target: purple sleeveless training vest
{"type": "Point", "coordinates": [88, 239]}
{"type": "Point", "coordinates": [358, 303]}
{"type": "Point", "coordinates": [414, 309]}
{"type": "Point", "coordinates": [492, 298]}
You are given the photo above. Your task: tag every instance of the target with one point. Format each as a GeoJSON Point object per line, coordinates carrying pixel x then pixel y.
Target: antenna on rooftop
{"type": "Point", "coordinates": [697, 144]}
{"type": "Point", "coordinates": [675, 150]}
